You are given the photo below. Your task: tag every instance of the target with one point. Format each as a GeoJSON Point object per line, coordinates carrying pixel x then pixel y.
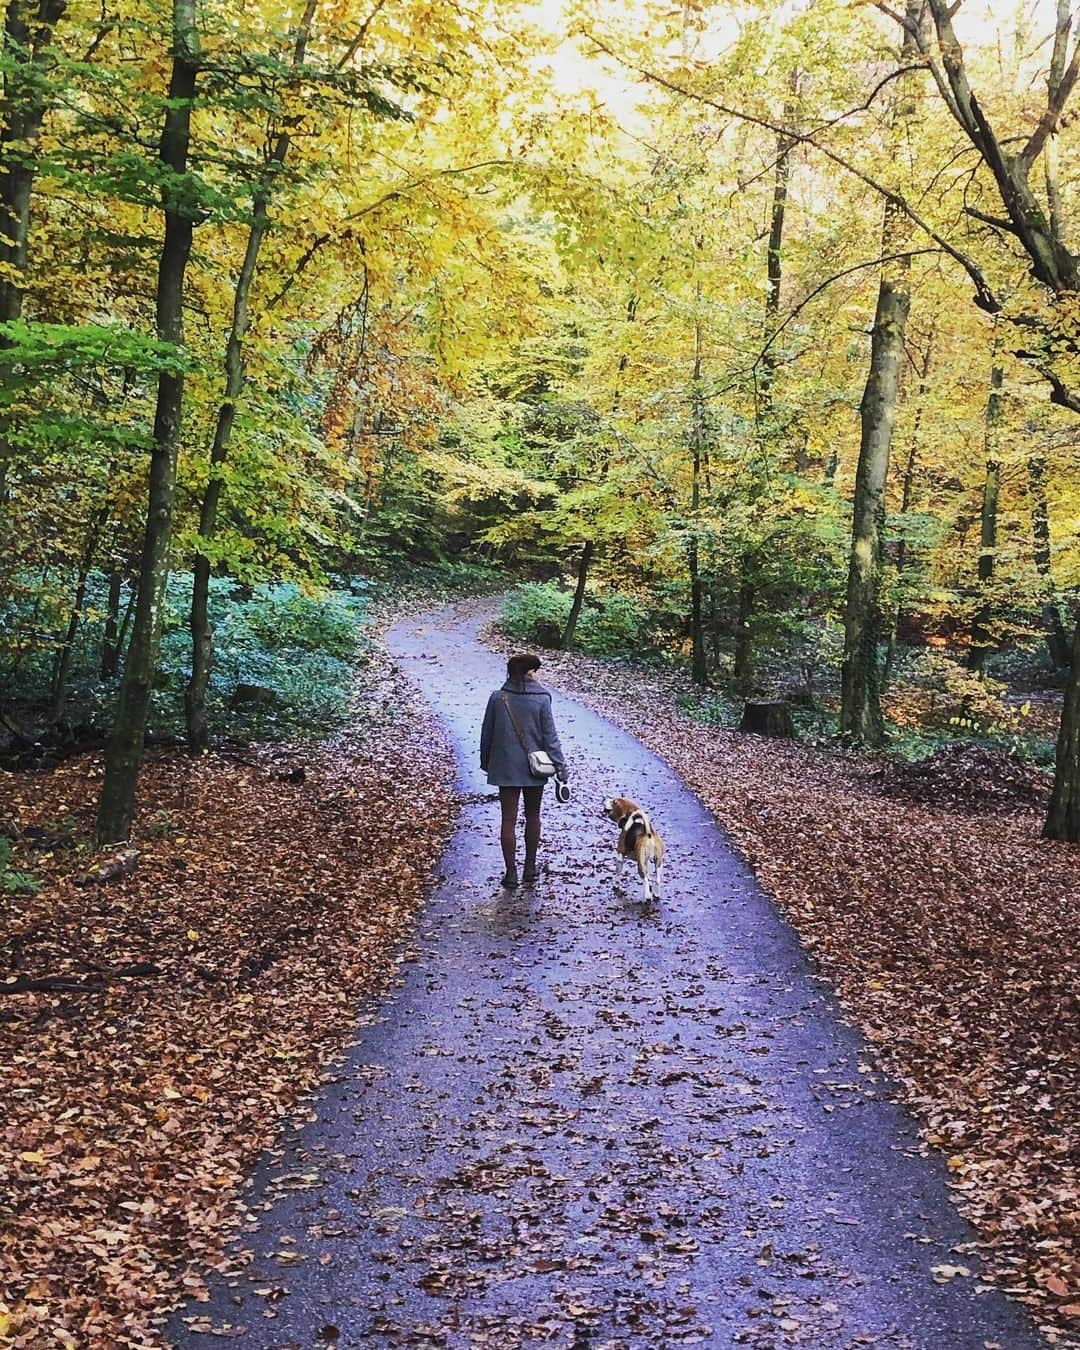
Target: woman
{"type": "Point", "coordinates": [518, 720]}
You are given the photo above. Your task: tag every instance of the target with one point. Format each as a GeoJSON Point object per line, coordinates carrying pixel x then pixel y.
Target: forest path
{"type": "Point", "coordinates": [575, 1123]}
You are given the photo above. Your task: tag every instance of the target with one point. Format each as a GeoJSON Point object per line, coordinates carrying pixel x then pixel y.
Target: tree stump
{"type": "Point", "coordinates": [768, 718]}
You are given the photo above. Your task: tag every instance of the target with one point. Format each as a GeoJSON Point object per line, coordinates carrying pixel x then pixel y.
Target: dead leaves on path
{"type": "Point", "coordinates": [951, 931]}
{"type": "Point", "coordinates": [134, 1104]}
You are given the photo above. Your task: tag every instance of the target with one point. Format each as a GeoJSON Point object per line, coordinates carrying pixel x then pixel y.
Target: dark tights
{"type": "Point", "coordinates": [508, 800]}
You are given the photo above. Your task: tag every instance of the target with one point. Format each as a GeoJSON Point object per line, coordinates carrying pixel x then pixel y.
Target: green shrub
{"type": "Point", "coordinates": [537, 613]}
{"type": "Point", "coordinates": [618, 624]}
{"type": "Point", "coordinates": [302, 647]}
{"type": "Point", "coordinates": [611, 624]}
{"type": "Point", "coordinates": [711, 708]}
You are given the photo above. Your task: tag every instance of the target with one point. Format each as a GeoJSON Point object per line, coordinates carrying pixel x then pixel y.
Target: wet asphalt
{"type": "Point", "coordinates": [578, 1121]}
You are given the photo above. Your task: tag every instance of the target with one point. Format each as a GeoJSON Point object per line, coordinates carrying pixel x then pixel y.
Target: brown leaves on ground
{"type": "Point", "coordinates": [952, 936]}
{"type": "Point", "coordinates": [967, 778]}
{"type": "Point", "coordinates": [206, 988]}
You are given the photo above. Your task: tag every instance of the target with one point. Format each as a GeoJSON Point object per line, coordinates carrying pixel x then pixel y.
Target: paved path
{"type": "Point", "coordinates": [579, 1125]}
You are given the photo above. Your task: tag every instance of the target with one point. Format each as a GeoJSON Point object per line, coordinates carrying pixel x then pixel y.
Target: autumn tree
{"type": "Point", "coordinates": [179, 208]}
{"type": "Point", "coordinates": [1039, 230]}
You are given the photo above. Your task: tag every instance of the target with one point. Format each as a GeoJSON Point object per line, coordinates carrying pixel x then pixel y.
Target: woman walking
{"type": "Point", "coordinates": [517, 722]}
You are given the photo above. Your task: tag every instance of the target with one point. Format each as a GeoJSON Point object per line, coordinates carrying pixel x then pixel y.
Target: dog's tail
{"type": "Point", "coordinates": [633, 827]}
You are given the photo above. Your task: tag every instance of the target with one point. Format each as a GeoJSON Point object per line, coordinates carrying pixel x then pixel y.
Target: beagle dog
{"type": "Point", "coordinates": [637, 840]}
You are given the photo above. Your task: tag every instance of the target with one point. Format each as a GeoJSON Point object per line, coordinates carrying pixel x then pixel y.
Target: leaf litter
{"type": "Point", "coordinates": [157, 1024]}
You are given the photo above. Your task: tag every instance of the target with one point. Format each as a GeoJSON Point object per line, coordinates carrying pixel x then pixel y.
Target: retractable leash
{"type": "Point", "coordinates": [562, 791]}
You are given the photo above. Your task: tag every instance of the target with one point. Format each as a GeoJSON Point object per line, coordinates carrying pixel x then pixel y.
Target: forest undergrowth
{"type": "Point", "coordinates": [156, 1027]}
{"type": "Point", "coordinates": [926, 897]}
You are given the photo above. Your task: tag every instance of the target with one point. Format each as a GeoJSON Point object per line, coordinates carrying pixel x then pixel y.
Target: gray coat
{"type": "Point", "coordinates": [501, 755]}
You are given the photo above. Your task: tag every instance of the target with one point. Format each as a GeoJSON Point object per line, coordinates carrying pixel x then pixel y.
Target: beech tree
{"type": "Point", "coordinates": [1039, 231]}
{"type": "Point", "coordinates": [179, 208]}
{"type": "Point", "coordinates": [27, 53]}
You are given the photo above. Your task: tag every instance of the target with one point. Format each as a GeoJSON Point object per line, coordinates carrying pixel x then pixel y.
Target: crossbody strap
{"type": "Point", "coordinates": [514, 721]}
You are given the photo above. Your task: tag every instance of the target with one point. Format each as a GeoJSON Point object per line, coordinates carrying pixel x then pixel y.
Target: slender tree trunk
{"type": "Point", "coordinates": [110, 646]}
{"type": "Point", "coordinates": [981, 645]}
{"type": "Point", "coordinates": [714, 623]}
{"type": "Point", "coordinates": [1063, 818]}
{"type": "Point", "coordinates": [860, 709]}
{"type": "Point", "coordinates": [28, 36]}
{"type": "Point", "coordinates": [587, 550]}
{"type": "Point", "coordinates": [860, 697]}
{"type": "Point", "coordinates": [774, 251]}
{"type": "Point", "coordinates": [62, 663]}
{"type": "Point", "coordinates": [699, 671]}
{"type": "Point", "coordinates": [202, 633]}
{"type": "Point", "coordinates": [125, 750]}
{"type": "Point", "coordinates": [907, 493]}
{"type": "Point", "coordinates": [1056, 639]}
{"type": "Point", "coordinates": [744, 644]}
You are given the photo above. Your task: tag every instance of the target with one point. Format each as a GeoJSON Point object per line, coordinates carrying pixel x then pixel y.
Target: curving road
{"type": "Point", "coordinates": [577, 1124]}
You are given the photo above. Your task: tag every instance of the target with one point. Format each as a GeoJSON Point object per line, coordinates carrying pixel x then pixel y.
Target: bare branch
{"type": "Point", "coordinates": [999, 222]}
{"type": "Point", "coordinates": [321, 240]}
{"type": "Point", "coordinates": [361, 36]}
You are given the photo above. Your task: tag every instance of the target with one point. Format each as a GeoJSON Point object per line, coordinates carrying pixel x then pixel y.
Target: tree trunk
{"type": "Point", "coordinates": [28, 39]}
{"type": "Point", "coordinates": [860, 709]}
{"type": "Point", "coordinates": [907, 492]}
{"type": "Point", "coordinates": [744, 645]}
{"type": "Point", "coordinates": [202, 633]}
{"type": "Point", "coordinates": [1063, 818]}
{"type": "Point", "coordinates": [587, 550]}
{"type": "Point", "coordinates": [110, 646]}
{"type": "Point", "coordinates": [981, 644]}
{"type": "Point", "coordinates": [699, 671]}
{"type": "Point", "coordinates": [860, 697]}
{"type": "Point", "coordinates": [125, 750]}
{"type": "Point", "coordinates": [774, 256]}
{"type": "Point", "coordinates": [1056, 639]}
{"type": "Point", "coordinates": [62, 664]}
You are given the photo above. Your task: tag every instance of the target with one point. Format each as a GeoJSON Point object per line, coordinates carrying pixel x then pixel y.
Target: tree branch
{"type": "Point", "coordinates": [984, 296]}
{"type": "Point", "coordinates": [1055, 105]}
{"type": "Point", "coordinates": [1060, 393]}
{"type": "Point", "coordinates": [321, 240]}
{"type": "Point", "coordinates": [847, 271]}
{"type": "Point", "coordinates": [999, 222]}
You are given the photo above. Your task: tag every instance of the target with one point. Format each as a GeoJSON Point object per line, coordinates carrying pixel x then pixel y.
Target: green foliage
{"type": "Point", "coordinates": [712, 708]}
{"type": "Point", "coordinates": [612, 624]}
{"type": "Point", "coordinates": [299, 646]}
{"type": "Point", "coordinates": [13, 881]}
{"type": "Point", "coordinates": [537, 613]}
{"type": "Point", "coordinates": [161, 824]}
